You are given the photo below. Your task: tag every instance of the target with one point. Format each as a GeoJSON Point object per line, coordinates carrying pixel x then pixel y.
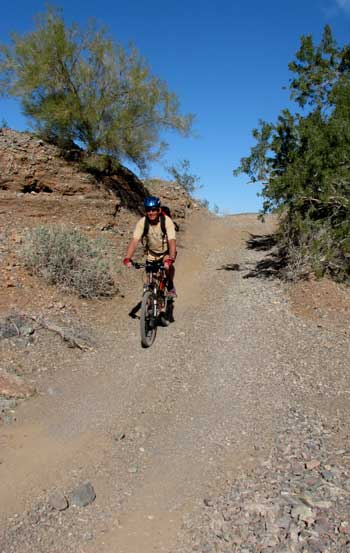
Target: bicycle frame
{"type": "Point", "coordinates": [156, 282]}
{"type": "Point", "coordinates": [154, 305]}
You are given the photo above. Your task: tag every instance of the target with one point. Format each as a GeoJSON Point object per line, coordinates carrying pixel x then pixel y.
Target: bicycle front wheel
{"type": "Point", "coordinates": [148, 323]}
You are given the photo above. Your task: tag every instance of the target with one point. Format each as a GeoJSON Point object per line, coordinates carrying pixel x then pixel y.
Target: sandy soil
{"type": "Point", "coordinates": [156, 430]}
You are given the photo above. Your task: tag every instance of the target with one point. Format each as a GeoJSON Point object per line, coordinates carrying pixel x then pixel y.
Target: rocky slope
{"type": "Point", "coordinates": [39, 187]}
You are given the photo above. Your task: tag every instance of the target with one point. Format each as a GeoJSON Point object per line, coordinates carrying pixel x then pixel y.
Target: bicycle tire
{"type": "Point", "coordinates": [148, 326]}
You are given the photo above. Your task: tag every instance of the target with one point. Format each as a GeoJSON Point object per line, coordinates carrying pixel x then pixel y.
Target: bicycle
{"type": "Point", "coordinates": [156, 307]}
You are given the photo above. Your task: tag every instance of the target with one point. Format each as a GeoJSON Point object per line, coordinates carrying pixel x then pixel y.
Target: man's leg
{"type": "Point", "coordinates": [170, 273]}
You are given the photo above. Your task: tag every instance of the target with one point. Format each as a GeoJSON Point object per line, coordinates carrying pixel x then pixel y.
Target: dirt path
{"type": "Point", "coordinates": [157, 430]}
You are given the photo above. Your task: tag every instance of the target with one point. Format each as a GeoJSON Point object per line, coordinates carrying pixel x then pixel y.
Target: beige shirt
{"type": "Point", "coordinates": [155, 242]}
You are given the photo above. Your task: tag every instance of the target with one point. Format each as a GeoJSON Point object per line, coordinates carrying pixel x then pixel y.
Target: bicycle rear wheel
{"type": "Point", "coordinates": [148, 323]}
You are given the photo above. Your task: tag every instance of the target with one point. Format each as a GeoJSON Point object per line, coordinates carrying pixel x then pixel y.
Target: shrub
{"type": "Point", "coordinates": [181, 173]}
{"type": "Point", "coordinates": [70, 260]}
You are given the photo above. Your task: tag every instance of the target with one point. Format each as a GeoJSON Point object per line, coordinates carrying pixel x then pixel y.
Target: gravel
{"type": "Point", "coordinates": [288, 503]}
{"type": "Point", "coordinates": [240, 408]}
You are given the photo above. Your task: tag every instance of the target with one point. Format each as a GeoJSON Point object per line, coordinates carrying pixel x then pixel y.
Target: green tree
{"type": "Point", "coordinates": [303, 160]}
{"type": "Point", "coordinates": [182, 175]}
{"type": "Point", "coordinates": [78, 85]}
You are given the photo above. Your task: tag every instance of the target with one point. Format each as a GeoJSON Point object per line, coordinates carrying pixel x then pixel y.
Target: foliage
{"type": "Point", "coordinates": [78, 85]}
{"type": "Point", "coordinates": [204, 203]}
{"type": "Point", "coordinates": [68, 259]}
{"type": "Point", "coordinates": [181, 173]}
{"type": "Point", "coordinates": [99, 165]}
{"type": "Point", "coordinates": [303, 160]}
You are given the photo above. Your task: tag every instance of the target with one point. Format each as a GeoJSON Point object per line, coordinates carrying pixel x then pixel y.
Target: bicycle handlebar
{"type": "Point", "coordinates": [137, 265]}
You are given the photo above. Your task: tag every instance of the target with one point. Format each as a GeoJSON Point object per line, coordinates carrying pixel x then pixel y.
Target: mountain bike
{"type": "Point", "coordinates": [156, 307]}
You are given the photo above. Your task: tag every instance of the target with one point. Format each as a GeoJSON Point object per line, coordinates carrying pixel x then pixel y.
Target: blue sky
{"type": "Point", "coordinates": [226, 60]}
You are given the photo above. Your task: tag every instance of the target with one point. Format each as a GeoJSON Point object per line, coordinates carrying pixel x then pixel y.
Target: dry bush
{"type": "Point", "coordinates": [67, 258]}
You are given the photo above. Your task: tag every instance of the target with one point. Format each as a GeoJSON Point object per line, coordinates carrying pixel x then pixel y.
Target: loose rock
{"type": "Point", "coordinates": [58, 501]}
{"type": "Point", "coordinates": [83, 495]}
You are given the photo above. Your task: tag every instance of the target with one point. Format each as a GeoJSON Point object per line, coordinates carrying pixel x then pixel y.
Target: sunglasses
{"type": "Point", "coordinates": [148, 209]}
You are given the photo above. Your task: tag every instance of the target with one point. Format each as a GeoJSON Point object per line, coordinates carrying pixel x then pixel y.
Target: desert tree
{"type": "Point", "coordinates": [78, 85]}
{"type": "Point", "coordinates": [303, 159]}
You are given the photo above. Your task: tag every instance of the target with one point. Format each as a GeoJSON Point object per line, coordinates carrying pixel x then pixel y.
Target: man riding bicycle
{"type": "Point", "coordinates": [157, 231]}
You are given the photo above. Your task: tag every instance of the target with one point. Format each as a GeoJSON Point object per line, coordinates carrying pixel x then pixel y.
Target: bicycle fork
{"type": "Point", "coordinates": [155, 304]}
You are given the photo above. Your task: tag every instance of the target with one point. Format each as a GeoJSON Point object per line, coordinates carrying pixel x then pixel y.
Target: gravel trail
{"type": "Point", "coordinates": [158, 431]}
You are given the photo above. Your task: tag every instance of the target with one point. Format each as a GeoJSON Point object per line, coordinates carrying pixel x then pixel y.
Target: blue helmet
{"type": "Point", "coordinates": [151, 201]}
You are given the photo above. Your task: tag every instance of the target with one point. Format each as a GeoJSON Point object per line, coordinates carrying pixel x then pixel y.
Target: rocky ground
{"type": "Point", "coordinates": [229, 434]}
{"type": "Point", "coordinates": [296, 500]}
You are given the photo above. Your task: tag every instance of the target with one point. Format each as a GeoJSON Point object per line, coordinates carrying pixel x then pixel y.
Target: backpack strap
{"type": "Point", "coordinates": [166, 210]}
{"type": "Point", "coordinates": [162, 226]}
{"type": "Point", "coordinates": [145, 230]}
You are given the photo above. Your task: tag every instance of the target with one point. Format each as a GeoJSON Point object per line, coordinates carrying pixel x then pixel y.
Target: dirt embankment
{"type": "Point", "coordinates": [38, 186]}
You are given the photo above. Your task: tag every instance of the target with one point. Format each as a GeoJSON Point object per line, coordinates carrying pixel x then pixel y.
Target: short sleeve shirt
{"type": "Point", "coordinates": [155, 242]}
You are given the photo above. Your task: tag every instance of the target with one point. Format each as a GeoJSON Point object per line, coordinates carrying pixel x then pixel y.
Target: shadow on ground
{"type": "Point", "coordinates": [261, 242]}
{"type": "Point", "coordinates": [133, 313]}
{"type": "Point", "coordinates": [229, 267]}
{"type": "Point", "coordinates": [169, 312]}
{"type": "Point", "coordinates": [271, 266]}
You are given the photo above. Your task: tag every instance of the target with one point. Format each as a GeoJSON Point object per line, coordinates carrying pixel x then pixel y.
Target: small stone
{"type": "Point", "coordinates": [293, 533]}
{"type": "Point", "coordinates": [312, 464]}
{"type": "Point", "coordinates": [327, 475]}
{"type": "Point", "coordinates": [322, 504]}
{"type": "Point", "coordinates": [283, 522]}
{"type": "Point", "coordinates": [119, 436]}
{"type": "Point", "coordinates": [303, 513]}
{"type": "Point", "coordinates": [27, 330]}
{"type": "Point", "coordinates": [323, 526]}
{"type": "Point", "coordinates": [83, 495]}
{"type": "Point", "coordinates": [344, 527]}
{"type": "Point", "coordinates": [58, 501]}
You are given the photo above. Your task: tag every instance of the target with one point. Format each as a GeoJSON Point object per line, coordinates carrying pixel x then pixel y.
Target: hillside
{"type": "Point", "coordinates": [229, 434]}
{"type": "Point", "coordinates": [39, 187]}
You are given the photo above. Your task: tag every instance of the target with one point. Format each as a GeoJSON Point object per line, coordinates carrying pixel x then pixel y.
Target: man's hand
{"type": "Point", "coordinates": [127, 262]}
{"type": "Point", "coordinates": [168, 261]}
